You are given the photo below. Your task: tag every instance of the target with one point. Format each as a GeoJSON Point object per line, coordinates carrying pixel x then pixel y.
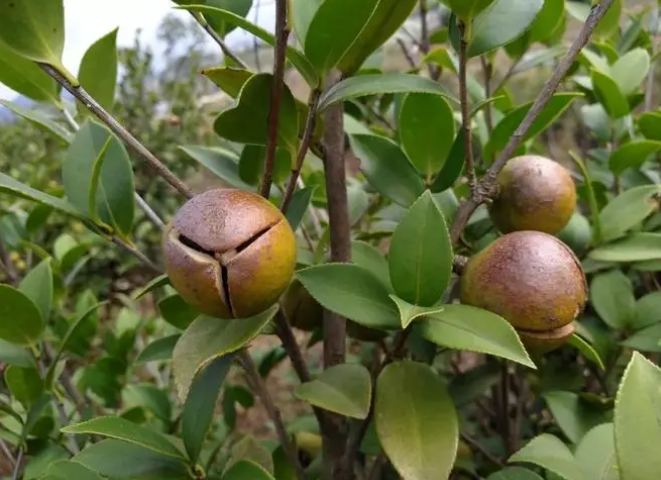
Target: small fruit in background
{"type": "Point", "coordinates": [531, 279]}
{"type": "Point", "coordinates": [577, 234]}
{"type": "Point", "coordinates": [229, 253]}
{"type": "Point", "coordinates": [535, 193]}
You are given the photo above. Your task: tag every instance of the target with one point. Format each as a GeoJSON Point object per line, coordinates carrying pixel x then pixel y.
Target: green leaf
{"type": "Point", "coordinates": [209, 338]}
{"type": "Point", "coordinates": [387, 169]}
{"type": "Point", "coordinates": [20, 319]}
{"type": "Point", "coordinates": [252, 450]}
{"type": "Point", "coordinates": [645, 340]}
{"type": "Point", "coordinates": [609, 94]}
{"type": "Point", "coordinates": [508, 125]}
{"type": "Point", "coordinates": [39, 118]}
{"type": "Point", "coordinates": [514, 473]}
{"type": "Point", "coordinates": [453, 165]}
{"type": "Point", "coordinates": [416, 421]}
{"type": "Point", "coordinates": [97, 162]}
{"type": "Point", "coordinates": [409, 312]}
{"type": "Point", "coordinates": [239, 7]}
{"type": "Point", "coordinates": [300, 202]}
{"type": "Point", "coordinates": [649, 124]}
{"type": "Point", "coordinates": [332, 31]}
{"type": "Point", "coordinates": [606, 26]}
{"type": "Point", "coordinates": [247, 121]}
{"type": "Point", "coordinates": [370, 258]}
{"type": "Point", "coordinates": [247, 470]}
{"type": "Point", "coordinates": [627, 210]}
{"type": "Point", "coordinates": [377, 84]}
{"type": "Point", "coordinates": [630, 70]}
{"type": "Point", "coordinates": [14, 187]}
{"type": "Point", "coordinates": [550, 453]}
{"type": "Point", "coordinates": [352, 292]}
{"type": "Point", "coordinates": [301, 14]}
{"type": "Point", "coordinates": [229, 79]}
{"type": "Point", "coordinates": [385, 20]}
{"type": "Point", "coordinates": [252, 160]}
{"type": "Point", "coordinates": [98, 71]}
{"type": "Point", "coordinates": [632, 154]}
{"type": "Point", "coordinates": [296, 58]}
{"type": "Point", "coordinates": [586, 350]}
{"type": "Point", "coordinates": [547, 20]}
{"type": "Point", "coordinates": [344, 389]}
{"type": "Point", "coordinates": [426, 129]}
{"type": "Point", "coordinates": [177, 312]}
{"type": "Point", "coordinates": [13, 355]}
{"type": "Point", "coordinates": [67, 470]}
{"type": "Point", "coordinates": [38, 287]}
{"type": "Point", "coordinates": [420, 260]}
{"type": "Point", "coordinates": [200, 405]}
{"type": "Point", "coordinates": [34, 30]}
{"type": "Point", "coordinates": [158, 350]}
{"type": "Point", "coordinates": [611, 295]}
{"type": "Point", "coordinates": [637, 247]}
{"type": "Point", "coordinates": [501, 23]}
{"type": "Point", "coordinates": [596, 454]}
{"type": "Point", "coordinates": [464, 327]}
{"type": "Point", "coordinates": [153, 284]}
{"type": "Point", "coordinates": [25, 384]}
{"type": "Point", "coordinates": [150, 397]}
{"type": "Point", "coordinates": [637, 410]}
{"type": "Point", "coordinates": [126, 461]}
{"type": "Point", "coordinates": [574, 417]}
{"type": "Point", "coordinates": [121, 429]}
{"type": "Point", "coordinates": [26, 77]}
{"type": "Point", "coordinates": [219, 161]}
{"type": "Point", "coordinates": [648, 310]}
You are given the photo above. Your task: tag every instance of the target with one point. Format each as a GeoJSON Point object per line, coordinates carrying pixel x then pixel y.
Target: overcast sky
{"type": "Point", "coordinates": [88, 20]}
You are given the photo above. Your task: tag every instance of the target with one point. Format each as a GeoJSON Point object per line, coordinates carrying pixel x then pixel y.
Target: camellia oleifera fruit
{"type": "Point", "coordinates": [535, 193]}
{"type": "Point", "coordinates": [532, 280]}
{"type": "Point", "coordinates": [229, 253]}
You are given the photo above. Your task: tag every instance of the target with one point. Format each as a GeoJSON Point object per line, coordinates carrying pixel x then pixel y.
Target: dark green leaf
{"type": "Point", "coordinates": [632, 154]}
{"type": "Point", "coordinates": [246, 470]}
{"type": "Point", "coordinates": [628, 209]}
{"type": "Point", "coordinates": [550, 453]}
{"type": "Point", "coordinates": [609, 94]}
{"type": "Point", "coordinates": [121, 429]}
{"type": "Point", "coordinates": [426, 129]}
{"type": "Point", "coordinates": [645, 340]}
{"type": "Point", "coordinates": [637, 247]}
{"type": "Point", "coordinates": [21, 322]}
{"type": "Point", "coordinates": [38, 287]}
{"type": "Point", "coordinates": [637, 410]}
{"type": "Point", "coordinates": [466, 387]}
{"type": "Point", "coordinates": [25, 384]}
{"type": "Point", "coordinates": [26, 77]}
{"type": "Point", "coordinates": [299, 205]}
{"type": "Point", "coordinates": [596, 454]}
{"type": "Point", "coordinates": [574, 417]}
{"type": "Point", "coordinates": [98, 71]}
{"type": "Point", "coordinates": [344, 389]}
{"type": "Point", "coordinates": [177, 312]}
{"type": "Point", "coordinates": [469, 328]}
{"type": "Point", "coordinates": [376, 84]}
{"type": "Point", "coordinates": [158, 350]}
{"type": "Point", "coordinates": [453, 165]}
{"type": "Point", "coordinates": [200, 404]}
{"type": "Point", "coordinates": [649, 124]}
{"type": "Point", "coordinates": [611, 295]}
{"type": "Point", "coordinates": [208, 338]}
{"type": "Point", "coordinates": [69, 470]}
{"type": "Point", "coordinates": [514, 473]}
{"type": "Point", "coordinates": [126, 461]}
{"type": "Point", "coordinates": [387, 169]}
{"type": "Point", "coordinates": [370, 258]}
{"type": "Point", "coordinates": [150, 397]}
{"type": "Point", "coordinates": [416, 421]}
{"type": "Point", "coordinates": [38, 117]}
{"type": "Point", "coordinates": [586, 350]}
{"type": "Point", "coordinates": [219, 161]}
{"type": "Point", "coordinates": [547, 20]}
{"type": "Point", "coordinates": [648, 310]}
{"type": "Point", "coordinates": [252, 160]}
{"type": "Point", "coordinates": [13, 355]}
{"type": "Point", "coordinates": [352, 292]}
{"type": "Point", "coordinates": [420, 260]}
{"type": "Point", "coordinates": [239, 7]}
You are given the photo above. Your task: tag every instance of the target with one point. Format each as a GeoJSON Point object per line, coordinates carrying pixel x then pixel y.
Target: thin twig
{"type": "Point", "coordinates": [510, 72]}
{"type": "Point", "coordinates": [259, 388]}
{"type": "Point", "coordinates": [377, 467]}
{"type": "Point", "coordinates": [281, 35]}
{"type": "Point", "coordinates": [434, 71]}
{"type": "Point", "coordinates": [487, 186]}
{"type": "Point", "coordinates": [405, 51]}
{"type": "Point", "coordinates": [7, 265]}
{"type": "Point", "coordinates": [7, 453]}
{"type": "Point", "coordinates": [218, 39]}
{"type": "Point", "coordinates": [151, 214]}
{"type": "Point", "coordinates": [17, 465]}
{"type": "Point", "coordinates": [506, 428]}
{"type": "Point", "coordinates": [81, 94]}
{"type": "Point", "coordinates": [480, 448]}
{"type": "Point", "coordinates": [464, 37]}
{"type": "Point", "coordinates": [137, 254]}
{"type": "Point", "coordinates": [255, 41]}
{"type": "Point", "coordinates": [313, 101]}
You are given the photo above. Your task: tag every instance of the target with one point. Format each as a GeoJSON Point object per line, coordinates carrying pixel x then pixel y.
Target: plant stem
{"type": "Point", "coordinates": [7, 453]}
{"type": "Point", "coordinates": [480, 448]}
{"type": "Point", "coordinates": [487, 68]}
{"type": "Point", "coordinates": [281, 35]}
{"type": "Point", "coordinates": [313, 101]}
{"type": "Point", "coordinates": [434, 71]}
{"type": "Point", "coordinates": [409, 59]}
{"type": "Point", "coordinates": [488, 186]}
{"type": "Point", "coordinates": [464, 37]}
{"type": "Point", "coordinates": [17, 465]}
{"type": "Point", "coordinates": [218, 39]}
{"type": "Point", "coordinates": [136, 253]}
{"type": "Point", "coordinates": [259, 388]}
{"type": "Point", "coordinates": [81, 94]}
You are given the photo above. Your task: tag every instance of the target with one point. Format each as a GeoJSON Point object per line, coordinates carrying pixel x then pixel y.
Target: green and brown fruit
{"type": "Point", "coordinates": [534, 193]}
{"type": "Point", "coordinates": [577, 234]}
{"type": "Point", "coordinates": [229, 253]}
{"type": "Point", "coordinates": [531, 279]}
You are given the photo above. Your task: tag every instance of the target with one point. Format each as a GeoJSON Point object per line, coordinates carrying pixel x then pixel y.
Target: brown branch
{"type": "Point", "coordinates": [258, 386]}
{"type": "Point", "coordinates": [313, 101]}
{"type": "Point", "coordinates": [464, 37]}
{"type": "Point", "coordinates": [487, 187]}
{"type": "Point", "coordinates": [406, 53]}
{"type": "Point", "coordinates": [487, 68]}
{"type": "Point", "coordinates": [130, 141]}
{"type": "Point", "coordinates": [218, 39]}
{"type": "Point", "coordinates": [281, 35]}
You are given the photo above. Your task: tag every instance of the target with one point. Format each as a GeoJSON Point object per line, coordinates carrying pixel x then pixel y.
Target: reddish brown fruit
{"type": "Point", "coordinates": [229, 253]}
{"type": "Point", "coordinates": [539, 343]}
{"type": "Point", "coordinates": [531, 279]}
{"type": "Point", "coordinates": [535, 193]}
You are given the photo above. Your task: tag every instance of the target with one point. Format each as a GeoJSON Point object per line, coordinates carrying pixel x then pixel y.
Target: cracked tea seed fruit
{"type": "Point", "coordinates": [229, 253]}
{"type": "Point", "coordinates": [535, 193]}
{"type": "Point", "coordinates": [532, 280]}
